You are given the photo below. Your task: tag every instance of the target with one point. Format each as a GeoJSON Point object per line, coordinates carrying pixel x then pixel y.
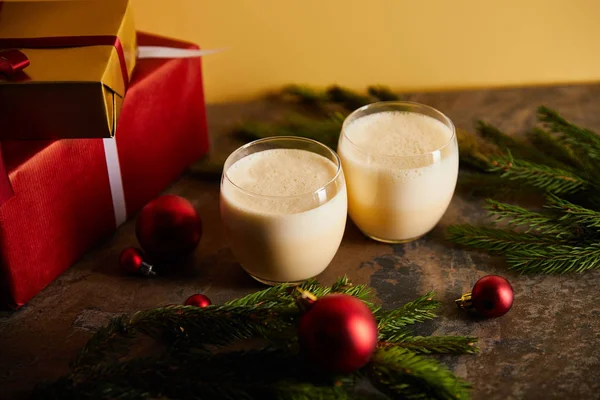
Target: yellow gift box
{"type": "Point", "coordinates": [81, 55]}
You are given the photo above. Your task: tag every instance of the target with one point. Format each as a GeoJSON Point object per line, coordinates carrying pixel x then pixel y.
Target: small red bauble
{"type": "Point", "coordinates": [168, 228]}
{"type": "Point", "coordinates": [198, 300]}
{"type": "Point", "coordinates": [338, 333]}
{"type": "Point", "coordinates": [132, 261]}
{"type": "Point", "coordinates": [492, 296]}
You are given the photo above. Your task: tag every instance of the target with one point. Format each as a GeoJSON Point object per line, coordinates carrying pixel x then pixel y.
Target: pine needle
{"type": "Point", "coordinates": [495, 241]}
{"type": "Point", "coordinates": [401, 373]}
{"type": "Point", "coordinates": [189, 368]}
{"type": "Point", "coordinates": [555, 259]}
{"type": "Point", "coordinates": [516, 216]}
{"type": "Point", "coordinates": [584, 141]}
{"type": "Point", "coordinates": [438, 344]}
{"type": "Point", "coordinates": [574, 213]}
{"type": "Point", "coordinates": [550, 179]}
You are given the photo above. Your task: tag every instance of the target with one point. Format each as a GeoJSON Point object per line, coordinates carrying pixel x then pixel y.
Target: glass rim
{"type": "Point", "coordinates": [444, 119]}
{"type": "Point", "coordinates": [338, 164]}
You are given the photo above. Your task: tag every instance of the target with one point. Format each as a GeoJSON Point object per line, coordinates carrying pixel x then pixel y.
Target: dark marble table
{"type": "Point", "coordinates": [547, 347]}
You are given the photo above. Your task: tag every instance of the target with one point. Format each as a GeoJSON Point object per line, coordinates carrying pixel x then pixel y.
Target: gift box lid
{"type": "Point", "coordinates": [81, 56]}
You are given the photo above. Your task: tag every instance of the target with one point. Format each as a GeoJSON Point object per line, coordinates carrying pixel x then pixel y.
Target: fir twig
{"type": "Point", "coordinates": [559, 258]}
{"type": "Point", "coordinates": [188, 369]}
{"type": "Point", "coordinates": [495, 240]}
{"type": "Point", "coordinates": [325, 130]}
{"type": "Point", "coordinates": [103, 342]}
{"type": "Point", "coordinates": [306, 94]}
{"type": "Point", "coordinates": [554, 148]}
{"type": "Point", "coordinates": [437, 344]}
{"type": "Point", "coordinates": [516, 216]}
{"type": "Point", "coordinates": [583, 140]}
{"type": "Point", "coordinates": [574, 213]}
{"type": "Point", "coordinates": [401, 373]}
{"type": "Point", "coordinates": [392, 323]}
{"type": "Point", "coordinates": [518, 148]}
{"type": "Point", "coordinates": [474, 152]}
{"type": "Point", "coordinates": [347, 98]}
{"type": "Point", "coordinates": [382, 93]}
{"type": "Point", "coordinates": [550, 179]}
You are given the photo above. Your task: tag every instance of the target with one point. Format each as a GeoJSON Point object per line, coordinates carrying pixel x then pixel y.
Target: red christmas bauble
{"type": "Point", "coordinates": [338, 333]}
{"type": "Point", "coordinates": [168, 228]}
{"type": "Point", "coordinates": [492, 296]}
{"type": "Point", "coordinates": [198, 300]}
{"type": "Point", "coordinates": [132, 260]}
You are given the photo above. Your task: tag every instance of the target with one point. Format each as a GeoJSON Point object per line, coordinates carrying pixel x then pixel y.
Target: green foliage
{"type": "Point", "coordinates": [561, 163]}
{"type": "Point", "coordinates": [573, 213]}
{"type": "Point", "coordinates": [550, 179]}
{"type": "Point", "coordinates": [495, 241]}
{"type": "Point", "coordinates": [402, 373]}
{"type": "Point", "coordinates": [196, 359]}
{"type": "Point", "coordinates": [531, 221]}
{"type": "Point", "coordinates": [584, 142]}
{"type": "Point", "coordinates": [325, 130]}
{"type": "Point", "coordinates": [392, 323]}
{"type": "Point", "coordinates": [559, 258]}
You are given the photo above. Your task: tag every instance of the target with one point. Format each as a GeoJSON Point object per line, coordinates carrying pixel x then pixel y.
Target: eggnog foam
{"type": "Point", "coordinates": [281, 173]}
{"type": "Point", "coordinates": [398, 133]}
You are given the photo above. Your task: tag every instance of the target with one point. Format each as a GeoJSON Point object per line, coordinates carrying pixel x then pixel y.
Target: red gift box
{"type": "Point", "coordinates": [67, 193]}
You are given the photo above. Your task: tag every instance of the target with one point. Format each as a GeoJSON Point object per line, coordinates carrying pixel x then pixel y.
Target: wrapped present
{"type": "Point", "coordinates": [66, 66]}
{"type": "Point", "coordinates": [70, 193]}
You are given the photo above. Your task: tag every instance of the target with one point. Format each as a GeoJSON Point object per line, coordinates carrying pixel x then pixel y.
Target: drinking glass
{"type": "Point", "coordinates": [288, 239]}
{"type": "Point", "coordinates": [398, 198]}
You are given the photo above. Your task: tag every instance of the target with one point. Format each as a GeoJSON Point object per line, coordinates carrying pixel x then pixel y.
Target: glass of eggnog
{"type": "Point", "coordinates": [401, 166]}
{"type": "Point", "coordinates": [284, 207]}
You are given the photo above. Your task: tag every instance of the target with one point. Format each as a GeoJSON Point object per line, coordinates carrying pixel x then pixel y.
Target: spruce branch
{"type": "Point", "coordinates": [475, 152]}
{"type": "Point", "coordinates": [495, 241]}
{"type": "Point", "coordinates": [437, 344]}
{"type": "Point", "coordinates": [554, 148]}
{"type": "Point", "coordinates": [325, 130]}
{"type": "Point", "coordinates": [401, 373]}
{"type": "Point", "coordinates": [187, 368]}
{"type": "Point", "coordinates": [305, 94]}
{"type": "Point", "coordinates": [574, 213]}
{"type": "Point", "coordinates": [582, 140]}
{"type": "Point", "coordinates": [516, 216]}
{"type": "Point", "coordinates": [556, 259]}
{"type": "Point", "coordinates": [347, 98]}
{"type": "Point", "coordinates": [550, 179]}
{"type": "Point", "coordinates": [485, 184]}
{"type": "Point", "coordinates": [103, 342]}
{"type": "Point", "coordinates": [519, 149]}
{"type": "Point", "coordinates": [392, 323]}
{"type": "Point", "coordinates": [382, 93]}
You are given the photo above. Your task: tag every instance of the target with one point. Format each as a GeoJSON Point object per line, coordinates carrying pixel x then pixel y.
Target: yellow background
{"type": "Point", "coordinates": [405, 44]}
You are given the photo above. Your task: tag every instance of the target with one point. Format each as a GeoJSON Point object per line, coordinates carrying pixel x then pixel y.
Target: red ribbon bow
{"type": "Point", "coordinates": [12, 61]}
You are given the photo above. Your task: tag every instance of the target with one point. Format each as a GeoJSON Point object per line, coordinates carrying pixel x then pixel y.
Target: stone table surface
{"type": "Point", "coordinates": [546, 347]}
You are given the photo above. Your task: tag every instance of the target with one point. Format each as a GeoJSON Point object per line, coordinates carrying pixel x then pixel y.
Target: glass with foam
{"type": "Point", "coordinates": [284, 206]}
{"type": "Point", "coordinates": [401, 165]}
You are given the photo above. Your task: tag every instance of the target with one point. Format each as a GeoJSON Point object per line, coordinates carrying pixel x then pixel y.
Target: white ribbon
{"type": "Point", "coordinates": [170, 52]}
{"type": "Point", "coordinates": [110, 145]}
{"type": "Point", "coordinates": [115, 180]}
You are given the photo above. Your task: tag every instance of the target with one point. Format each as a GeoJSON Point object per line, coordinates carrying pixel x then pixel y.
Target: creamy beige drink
{"type": "Point", "coordinates": [401, 169]}
{"type": "Point", "coordinates": [284, 210]}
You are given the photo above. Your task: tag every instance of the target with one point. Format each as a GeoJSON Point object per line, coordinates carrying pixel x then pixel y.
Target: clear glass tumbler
{"type": "Point", "coordinates": [277, 236]}
{"type": "Point", "coordinates": [401, 165]}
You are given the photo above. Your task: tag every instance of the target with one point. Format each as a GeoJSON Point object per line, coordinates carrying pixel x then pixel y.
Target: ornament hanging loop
{"type": "Point", "coordinates": [306, 299]}
{"type": "Point", "coordinates": [465, 302]}
{"type": "Point", "coordinates": [146, 269]}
